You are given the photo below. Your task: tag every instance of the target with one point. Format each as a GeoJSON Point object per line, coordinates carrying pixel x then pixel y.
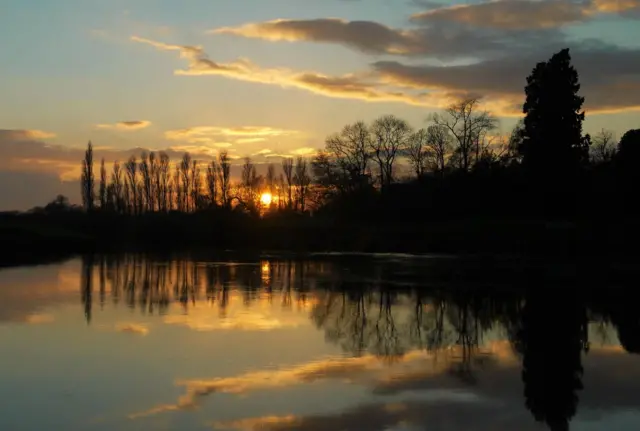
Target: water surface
{"type": "Point", "coordinates": [333, 343]}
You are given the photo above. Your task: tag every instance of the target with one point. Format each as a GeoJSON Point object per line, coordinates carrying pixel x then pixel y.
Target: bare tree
{"type": "Point", "coordinates": [439, 143]}
{"type": "Point", "coordinates": [287, 168]}
{"type": "Point", "coordinates": [196, 185]}
{"type": "Point", "coordinates": [103, 186]}
{"type": "Point", "coordinates": [271, 179]}
{"type": "Point", "coordinates": [604, 146]}
{"type": "Point", "coordinates": [185, 167]}
{"type": "Point", "coordinates": [251, 184]}
{"type": "Point", "coordinates": [281, 187]}
{"type": "Point", "coordinates": [468, 129]}
{"type": "Point", "coordinates": [145, 172]}
{"type": "Point", "coordinates": [131, 168]}
{"type": "Point", "coordinates": [116, 185]}
{"type": "Point", "coordinates": [178, 189]}
{"type": "Point", "coordinates": [350, 150]}
{"type": "Point", "coordinates": [302, 181]}
{"type": "Point", "coordinates": [212, 174]}
{"type": "Point", "coordinates": [162, 179]}
{"type": "Point", "coordinates": [225, 176]}
{"type": "Point", "coordinates": [418, 152]}
{"type": "Point", "coordinates": [389, 135]}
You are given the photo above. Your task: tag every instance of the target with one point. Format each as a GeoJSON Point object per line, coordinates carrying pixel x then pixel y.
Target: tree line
{"type": "Point", "coordinates": [458, 158]}
{"type": "Point", "coordinates": [153, 183]}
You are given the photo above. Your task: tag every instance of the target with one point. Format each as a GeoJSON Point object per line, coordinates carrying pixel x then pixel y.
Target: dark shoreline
{"type": "Point", "coordinates": [32, 239]}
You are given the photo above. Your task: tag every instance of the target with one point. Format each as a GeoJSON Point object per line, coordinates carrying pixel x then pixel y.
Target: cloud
{"type": "Point", "coordinates": [440, 401]}
{"type": "Point", "coordinates": [126, 125]}
{"type": "Point", "coordinates": [328, 369]}
{"type": "Point", "coordinates": [40, 318]}
{"type": "Point", "coordinates": [247, 321]}
{"type": "Point", "coordinates": [508, 14]}
{"type": "Point", "coordinates": [610, 78]}
{"type": "Point", "coordinates": [363, 86]}
{"type": "Point", "coordinates": [132, 328]}
{"type": "Point", "coordinates": [438, 41]}
{"type": "Point", "coordinates": [367, 36]}
{"type": "Point", "coordinates": [522, 14]}
{"type": "Point", "coordinates": [21, 135]}
{"type": "Point", "coordinates": [243, 134]}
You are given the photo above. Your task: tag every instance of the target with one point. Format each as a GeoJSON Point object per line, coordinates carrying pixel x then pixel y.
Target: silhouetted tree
{"type": "Point", "coordinates": [553, 146]}
{"type": "Point", "coordinates": [468, 128]}
{"type": "Point", "coordinates": [439, 144]}
{"type": "Point", "coordinates": [196, 185]}
{"type": "Point", "coordinates": [103, 186]}
{"type": "Point", "coordinates": [131, 168]}
{"type": "Point", "coordinates": [350, 151]}
{"type": "Point", "coordinates": [418, 152]}
{"type": "Point", "coordinates": [212, 175]}
{"type": "Point", "coordinates": [287, 168]}
{"type": "Point", "coordinates": [302, 181]}
{"type": "Point", "coordinates": [603, 148]}
{"type": "Point", "coordinates": [225, 177]}
{"type": "Point", "coordinates": [147, 180]}
{"type": "Point", "coordinates": [270, 180]}
{"type": "Point", "coordinates": [117, 188]}
{"type": "Point", "coordinates": [87, 180]}
{"type": "Point", "coordinates": [389, 136]}
{"type": "Point", "coordinates": [185, 170]}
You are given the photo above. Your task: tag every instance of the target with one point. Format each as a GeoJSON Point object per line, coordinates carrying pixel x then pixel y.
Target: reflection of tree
{"type": "Point", "coordinates": [551, 338]}
{"type": "Point", "coordinates": [86, 286]}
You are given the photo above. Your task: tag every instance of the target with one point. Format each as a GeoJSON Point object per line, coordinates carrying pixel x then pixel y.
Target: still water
{"type": "Point", "coordinates": [333, 343]}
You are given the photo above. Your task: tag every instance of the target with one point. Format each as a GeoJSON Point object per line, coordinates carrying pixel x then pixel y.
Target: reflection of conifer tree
{"type": "Point", "coordinates": [86, 285]}
{"type": "Point", "coordinates": [551, 338]}
{"type": "Point", "coordinates": [625, 317]}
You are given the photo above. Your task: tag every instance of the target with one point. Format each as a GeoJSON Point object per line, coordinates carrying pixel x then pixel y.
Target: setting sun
{"type": "Point", "coordinates": [266, 199]}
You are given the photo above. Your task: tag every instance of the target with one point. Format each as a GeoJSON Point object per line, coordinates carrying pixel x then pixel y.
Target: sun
{"type": "Point", "coordinates": [266, 199]}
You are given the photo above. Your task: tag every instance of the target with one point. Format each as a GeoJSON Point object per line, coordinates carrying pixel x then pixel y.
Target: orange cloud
{"type": "Point", "coordinates": [363, 86]}
{"type": "Point", "coordinates": [126, 125]}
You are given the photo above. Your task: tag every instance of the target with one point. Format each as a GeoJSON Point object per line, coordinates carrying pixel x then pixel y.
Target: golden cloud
{"type": "Point", "coordinates": [362, 86]}
{"type": "Point", "coordinates": [126, 125]}
{"type": "Point", "coordinates": [368, 36]}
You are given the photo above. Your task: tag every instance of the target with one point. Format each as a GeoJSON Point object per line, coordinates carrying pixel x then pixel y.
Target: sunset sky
{"type": "Point", "coordinates": [268, 78]}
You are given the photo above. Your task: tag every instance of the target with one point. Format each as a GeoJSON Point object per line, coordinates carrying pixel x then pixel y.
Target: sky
{"type": "Point", "coordinates": [273, 78]}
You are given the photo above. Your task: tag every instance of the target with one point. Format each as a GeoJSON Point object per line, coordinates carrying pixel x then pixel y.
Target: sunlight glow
{"type": "Point", "coordinates": [266, 199]}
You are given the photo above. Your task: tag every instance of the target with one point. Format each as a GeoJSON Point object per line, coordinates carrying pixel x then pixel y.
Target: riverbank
{"type": "Point", "coordinates": [39, 237]}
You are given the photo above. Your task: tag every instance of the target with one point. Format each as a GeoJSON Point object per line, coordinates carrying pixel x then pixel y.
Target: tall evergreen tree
{"type": "Point", "coordinates": [552, 137]}
{"type": "Point", "coordinates": [552, 146]}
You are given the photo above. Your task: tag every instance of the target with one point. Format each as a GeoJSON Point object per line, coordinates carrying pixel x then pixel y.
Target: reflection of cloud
{"type": "Point", "coordinates": [262, 316]}
{"type": "Point", "coordinates": [446, 403]}
{"type": "Point", "coordinates": [126, 125]}
{"type": "Point", "coordinates": [39, 318]}
{"type": "Point", "coordinates": [248, 321]}
{"type": "Point", "coordinates": [25, 293]}
{"type": "Point", "coordinates": [440, 415]}
{"type": "Point", "coordinates": [133, 328]}
{"type": "Point", "coordinates": [332, 368]}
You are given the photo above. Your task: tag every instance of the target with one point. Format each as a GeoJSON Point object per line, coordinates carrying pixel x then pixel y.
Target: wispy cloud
{"type": "Point", "coordinates": [333, 368]}
{"type": "Point", "coordinates": [126, 125]}
{"type": "Point", "coordinates": [132, 328]}
{"type": "Point", "coordinates": [361, 86]}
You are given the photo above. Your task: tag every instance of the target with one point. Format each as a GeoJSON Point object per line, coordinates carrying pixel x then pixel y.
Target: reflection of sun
{"type": "Point", "coordinates": [266, 199]}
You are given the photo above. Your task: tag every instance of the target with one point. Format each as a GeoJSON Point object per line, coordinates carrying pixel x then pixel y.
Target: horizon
{"type": "Point", "coordinates": [271, 79]}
